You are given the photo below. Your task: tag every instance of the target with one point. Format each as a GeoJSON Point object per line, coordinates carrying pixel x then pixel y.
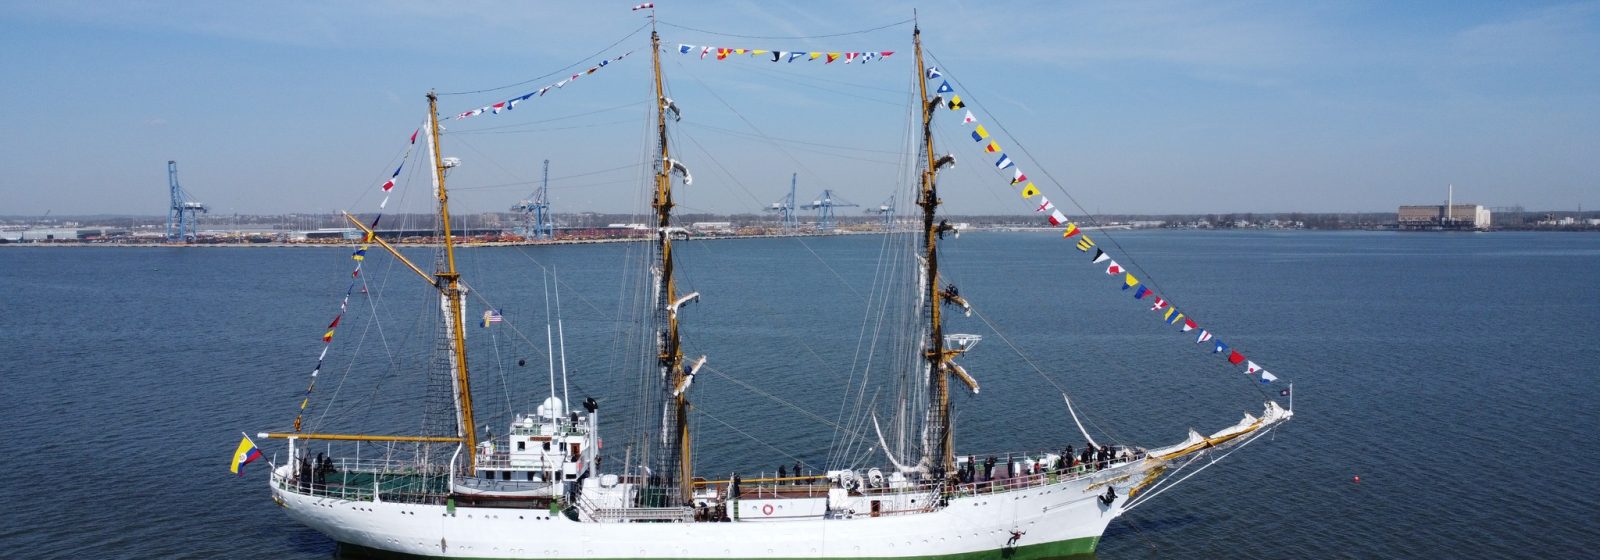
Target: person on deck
{"type": "Point", "coordinates": [797, 473]}
{"type": "Point", "coordinates": [782, 473]}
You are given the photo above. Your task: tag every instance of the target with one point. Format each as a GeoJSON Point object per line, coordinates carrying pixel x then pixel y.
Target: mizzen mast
{"type": "Point", "coordinates": [452, 300]}
{"type": "Point", "coordinates": [448, 281]}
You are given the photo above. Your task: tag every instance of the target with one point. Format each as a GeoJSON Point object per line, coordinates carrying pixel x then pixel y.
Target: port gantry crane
{"type": "Point", "coordinates": [785, 207]}
{"type": "Point", "coordinates": [535, 211]}
{"type": "Point", "coordinates": [886, 211]}
{"type": "Point", "coordinates": [824, 205]}
{"type": "Point", "coordinates": [183, 221]}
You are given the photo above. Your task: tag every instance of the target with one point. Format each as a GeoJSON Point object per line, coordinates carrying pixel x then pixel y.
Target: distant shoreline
{"type": "Point", "coordinates": [478, 244]}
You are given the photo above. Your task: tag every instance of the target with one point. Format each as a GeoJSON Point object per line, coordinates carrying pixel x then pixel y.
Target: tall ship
{"type": "Point", "coordinates": [548, 486]}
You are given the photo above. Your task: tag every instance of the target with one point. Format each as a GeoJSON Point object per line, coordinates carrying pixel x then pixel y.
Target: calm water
{"type": "Point", "coordinates": [1455, 374]}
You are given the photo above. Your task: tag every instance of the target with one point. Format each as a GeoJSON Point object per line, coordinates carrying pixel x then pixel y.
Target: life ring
{"type": "Point", "coordinates": [766, 509]}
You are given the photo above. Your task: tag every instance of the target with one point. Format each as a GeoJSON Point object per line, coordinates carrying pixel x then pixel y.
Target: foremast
{"type": "Point", "coordinates": [675, 422]}
{"type": "Point", "coordinates": [938, 441]}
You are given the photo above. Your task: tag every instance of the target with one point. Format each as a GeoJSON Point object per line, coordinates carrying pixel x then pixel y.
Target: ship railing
{"type": "Point", "coordinates": [1042, 478]}
{"type": "Point", "coordinates": [779, 490]}
{"type": "Point", "coordinates": [619, 515]}
{"type": "Point", "coordinates": [368, 480]}
{"type": "Point", "coordinates": [501, 460]}
{"type": "Point", "coordinates": [565, 429]}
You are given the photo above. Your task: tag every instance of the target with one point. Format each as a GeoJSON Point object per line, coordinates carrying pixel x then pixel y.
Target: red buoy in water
{"type": "Point", "coordinates": [1358, 478]}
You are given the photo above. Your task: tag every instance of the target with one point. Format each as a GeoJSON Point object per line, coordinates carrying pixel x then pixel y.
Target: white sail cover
{"type": "Point", "coordinates": [1248, 423]}
{"type": "Point", "coordinates": [1273, 413]}
{"type": "Point", "coordinates": [1194, 439]}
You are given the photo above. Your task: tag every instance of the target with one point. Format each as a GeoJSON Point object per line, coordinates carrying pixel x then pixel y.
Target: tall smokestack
{"type": "Point", "coordinates": [1450, 203]}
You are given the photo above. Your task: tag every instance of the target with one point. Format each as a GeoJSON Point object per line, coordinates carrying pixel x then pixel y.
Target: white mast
{"type": "Point", "coordinates": [550, 347]}
{"type": "Point", "coordinates": [561, 334]}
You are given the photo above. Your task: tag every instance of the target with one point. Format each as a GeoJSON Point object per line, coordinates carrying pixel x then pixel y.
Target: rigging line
{"type": "Point", "coordinates": [836, 155]}
{"type": "Point", "coordinates": [702, 411]}
{"type": "Point", "coordinates": [858, 418]}
{"type": "Point", "coordinates": [880, 279]}
{"type": "Point", "coordinates": [530, 182]}
{"type": "Point", "coordinates": [374, 319]}
{"type": "Point", "coordinates": [791, 140]}
{"type": "Point", "coordinates": [534, 348]}
{"type": "Point", "coordinates": [551, 119]}
{"type": "Point", "coordinates": [718, 163]}
{"type": "Point", "coordinates": [563, 69]}
{"type": "Point", "coordinates": [753, 128]}
{"type": "Point", "coordinates": [1036, 369]}
{"type": "Point", "coordinates": [1060, 187]}
{"type": "Point", "coordinates": [776, 317]}
{"type": "Point", "coordinates": [797, 239]}
{"type": "Point", "coordinates": [757, 202]}
{"type": "Point", "coordinates": [774, 398]}
{"type": "Point", "coordinates": [797, 79]}
{"type": "Point", "coordinates": [859, 32]}
{"type": "Point", "coordinates": [1241, 445]}
{"type": "Point", "coordinates": [401, 156]}
{"type": "Point", "coordinates": [550, 129]}
{"type": "Point", "coordinates": [390, 368]}
{"type": "Point", "coordinates": [793, 81]}
{"type": "Point", "coordinates": [494, 338]}
{"type": "Point", "coordinates": [559, 283]}
{"type": "Point", "coordinates": [478, 294]}
{"type": "Point", "coordinates": [552, 187]}
{"type": "Point", "coordinates": [492, 161]}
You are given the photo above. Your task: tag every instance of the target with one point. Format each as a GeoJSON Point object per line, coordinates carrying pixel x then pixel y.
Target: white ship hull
{"type": "Point", "coordinates": [1058, 519]}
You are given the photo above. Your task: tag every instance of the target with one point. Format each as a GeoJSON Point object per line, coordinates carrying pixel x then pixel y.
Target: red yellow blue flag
{"type": "Point", "coordinates": [242, 456]}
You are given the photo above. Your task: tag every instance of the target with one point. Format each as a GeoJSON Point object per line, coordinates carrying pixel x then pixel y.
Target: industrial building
{"type": "Point", "coordinates": [1436, 216]}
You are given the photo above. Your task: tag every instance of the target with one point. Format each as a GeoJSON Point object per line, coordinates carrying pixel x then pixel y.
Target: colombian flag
{"type": "Point", "coordinates": [242, 456]}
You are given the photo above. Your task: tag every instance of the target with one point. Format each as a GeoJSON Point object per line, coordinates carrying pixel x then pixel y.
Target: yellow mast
{"type": "Point", "coordinates": [449, 281]}
{"type": "Point", "coordinates": [929, 201]}
{"type": "Point", "coordinates": [671, 355]}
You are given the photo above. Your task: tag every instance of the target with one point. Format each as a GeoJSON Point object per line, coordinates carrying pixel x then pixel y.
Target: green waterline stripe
{"type": "Point", "coordinates": [1060, 549]}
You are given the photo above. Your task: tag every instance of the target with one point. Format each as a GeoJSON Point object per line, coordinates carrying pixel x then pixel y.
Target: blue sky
{"type": "Point", "coordinates": [1131, 107]}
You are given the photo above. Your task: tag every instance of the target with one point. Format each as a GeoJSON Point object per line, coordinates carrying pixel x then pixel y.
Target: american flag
{"type": "Point", "coordinates": [491, 316]}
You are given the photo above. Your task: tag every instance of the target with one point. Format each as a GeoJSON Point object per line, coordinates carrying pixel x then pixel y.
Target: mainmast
{"type": "Point", "coordinates": [670, 352]}
{"type": "Point", "coordinates": [938, 446]}
{"type": "Point", "coordinates": [448, 281]}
